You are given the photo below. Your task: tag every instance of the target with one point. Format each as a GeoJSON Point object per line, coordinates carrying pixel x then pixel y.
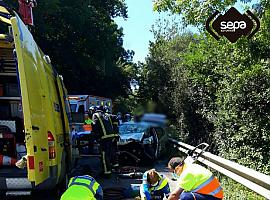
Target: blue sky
{"type": "Point", "coordinates": [137, 26]}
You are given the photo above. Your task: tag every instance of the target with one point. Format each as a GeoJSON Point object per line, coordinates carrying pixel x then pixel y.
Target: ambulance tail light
{"type": "Point", "coordinates": [31, 162]}
{"type": "Point", "coordinates": [51, 145]}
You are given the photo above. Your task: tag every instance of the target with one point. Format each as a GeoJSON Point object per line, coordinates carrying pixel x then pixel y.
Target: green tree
{"type": "Point", "coordinates": [156, 83]}
{"type": "Point", "coordinates": [196, 12]}
{"type": "Point", "coordinates": [84, 43]}
{"type": "Point", "coordinates": [217, 91]}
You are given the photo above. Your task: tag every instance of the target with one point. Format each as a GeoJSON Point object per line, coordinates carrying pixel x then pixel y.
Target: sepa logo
{"type": "Point", "coordinates": [233, 25]}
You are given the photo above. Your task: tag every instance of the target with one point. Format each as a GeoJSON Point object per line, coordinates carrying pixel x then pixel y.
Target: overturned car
{"type": "Point", "coordinates": [142, 139]}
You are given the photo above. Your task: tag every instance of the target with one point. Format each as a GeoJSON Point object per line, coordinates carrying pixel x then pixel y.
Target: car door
{"type": "Point", "coordinates": [31, 78]}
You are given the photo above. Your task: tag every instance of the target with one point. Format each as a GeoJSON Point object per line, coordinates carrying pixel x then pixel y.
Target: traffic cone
{"type": "Point", "coordinates": [7, 161]}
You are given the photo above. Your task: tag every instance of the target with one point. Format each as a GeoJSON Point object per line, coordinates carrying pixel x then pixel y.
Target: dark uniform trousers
{"type": "Point", "coordinates": [106, 154]}
{"type": "Point", "coordinates": [114, 156]}
{"type": "Point", "coordinates": [103, 127]}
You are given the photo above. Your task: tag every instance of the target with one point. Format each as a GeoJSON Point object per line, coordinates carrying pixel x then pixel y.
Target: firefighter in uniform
{"type": "Point", "coordinates": [103, 129]}
{"type": "Point", "coordinates": [154, 186]}
{"type": "Point", "coordinates": [115, 123]}
{"type": "Point", "coordinates": [83, 188]}
{"type": "Point", "coordinates": [194, 182]}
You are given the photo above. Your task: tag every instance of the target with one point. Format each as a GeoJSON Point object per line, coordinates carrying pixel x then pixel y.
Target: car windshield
{"type": "Point", "coordinates": [132, 128]}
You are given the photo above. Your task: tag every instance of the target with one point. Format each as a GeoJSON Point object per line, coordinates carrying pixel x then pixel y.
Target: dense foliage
{"type": "Point", "coordinates": [84, 43]}
{"type": "Point", "coordinates": [196, 12]}
{"type": "Point", "coordinates": [214, 91]}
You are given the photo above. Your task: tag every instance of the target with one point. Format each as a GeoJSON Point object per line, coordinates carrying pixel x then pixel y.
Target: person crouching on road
{"type": "Point", "coordinates": [154, 186]}
{"type": "Point", "coordinates": [194, 182]}
{"type": "Point", "coordinates": [83, 188]}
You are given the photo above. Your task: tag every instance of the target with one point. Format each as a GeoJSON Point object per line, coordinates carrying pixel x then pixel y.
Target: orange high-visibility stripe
{"type": "Point", "coordinates": [211, 188]}
{"type": "Point", "coordinates": [87, 127]}
{"type": "Point", "coordinates": [219, 194]}
{"type": "Point", "coordinates": [214, 184]}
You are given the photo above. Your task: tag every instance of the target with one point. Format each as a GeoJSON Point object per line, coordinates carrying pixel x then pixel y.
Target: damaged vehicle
{"type": "Point", "coordinates": [142, 139]}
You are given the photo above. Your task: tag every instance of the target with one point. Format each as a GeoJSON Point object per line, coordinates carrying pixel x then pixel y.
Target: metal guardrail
{"type": "Point", "coordinates": [256, 181]}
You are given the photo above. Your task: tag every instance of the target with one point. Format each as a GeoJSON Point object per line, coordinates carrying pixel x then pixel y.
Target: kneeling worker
{"type": "Point", "coordinates": [154, 186]}
{"type": "Point", "coordinates": [194, 182]}
{"type": "Point", "coordinates": [83, 188]}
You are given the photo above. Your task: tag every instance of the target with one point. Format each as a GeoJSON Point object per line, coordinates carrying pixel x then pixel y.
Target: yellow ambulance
{"type": "Point", "coordinates": [34, 112]}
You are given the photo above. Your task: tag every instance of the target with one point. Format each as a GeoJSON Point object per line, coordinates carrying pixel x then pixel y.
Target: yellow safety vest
{"type": "Point", "coordinates": [162, 183]}
{"type": "Point", "coordinates": [81, 187]}
{"type": "Point", "coordinates": [88, 121]}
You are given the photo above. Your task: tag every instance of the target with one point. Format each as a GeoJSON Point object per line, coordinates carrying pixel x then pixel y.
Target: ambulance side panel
{"type": "Point", "coordinates": [43, 110]}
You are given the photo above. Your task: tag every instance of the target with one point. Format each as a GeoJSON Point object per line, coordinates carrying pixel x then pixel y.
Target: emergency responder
{"type": "Point", "coordinates": [154, 186]}
{"type": "Point", "coordinates": [87, 119]}
{"type": "Point", "coordinates": [91, 111]}
{"type": "Point", "coordinates": [114, 122]}
{"type": "Point", "coordinates": [103, 129]}
{"type": "Point", "coordinates": [107, 110]}
{"type": "Point", "coordinates": [194, 181]}
{"type": "Point", "coordinates": [113, 119]}
{"type": "Point", "coordinates": [87, 123]}
{"type": "Point", "coordinates": [87, 127]}
{"type": "Point", "coordinates": [119, 118]}
{"type": "Point", "coordinates": [127, 117]}
{"type": "Point", "coordinates": [92, 148]}
{"type": "Point", "coordinates": [83, 188]}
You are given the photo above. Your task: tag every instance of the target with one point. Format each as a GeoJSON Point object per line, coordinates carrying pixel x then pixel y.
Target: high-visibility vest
{"type": "Point", "coordinates": [85, 181]}
{"type": "Point", "coordinates": [88, 121]}
{"type": "Point", "coordinates": [105, 134]}
{"type": "Point", "coordinates": [210, 187]}
{"type": "Point", "coordinates": [161, 184]}
{"type": "Point", "coordinates": [87, 127]}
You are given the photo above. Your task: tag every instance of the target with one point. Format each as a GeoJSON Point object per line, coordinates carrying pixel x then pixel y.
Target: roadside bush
{"type": "Point", "coordinates": [236, 191]}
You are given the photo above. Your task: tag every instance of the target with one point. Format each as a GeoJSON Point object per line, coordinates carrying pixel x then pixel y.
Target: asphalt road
{"type": "Point", "coordinates": [91, 165]}
{"type": "Point", "coordinates": [40, 196]}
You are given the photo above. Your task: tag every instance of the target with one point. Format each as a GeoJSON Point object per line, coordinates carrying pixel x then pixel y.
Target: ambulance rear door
{"type": "Point", "coordinates": [31, 77]}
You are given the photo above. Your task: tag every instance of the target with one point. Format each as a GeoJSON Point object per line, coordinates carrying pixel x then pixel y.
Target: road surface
{"type": "Point", "coordinates": [91, 164]}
